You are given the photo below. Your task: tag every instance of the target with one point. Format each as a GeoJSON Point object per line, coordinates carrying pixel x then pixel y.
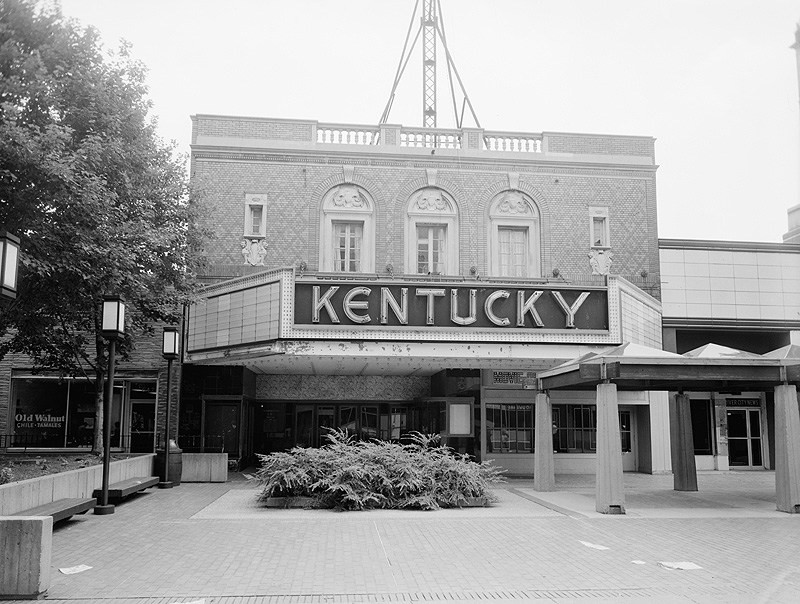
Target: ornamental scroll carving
{"type": "Point", "coordinates": [254, 251]}
{"type": "Point", "coordinates": [513, 203]}
{"type": "Point", "coordinates": [600, 261]}
{"type": "Point", "coordinates": [348, 196]}
{"type": "Point", "coordinates": [431, 200]}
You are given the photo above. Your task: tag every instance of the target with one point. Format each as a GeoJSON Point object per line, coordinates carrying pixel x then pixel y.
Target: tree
{"type": "Point", "coordinates": [100, 202]}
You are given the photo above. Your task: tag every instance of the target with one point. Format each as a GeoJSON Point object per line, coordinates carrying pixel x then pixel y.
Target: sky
{"type": "Point", "coordinates": [713, 81]}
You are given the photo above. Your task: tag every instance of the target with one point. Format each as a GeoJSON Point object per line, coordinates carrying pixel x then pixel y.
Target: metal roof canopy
{"type": "Point", "coordinates": [632, 367]}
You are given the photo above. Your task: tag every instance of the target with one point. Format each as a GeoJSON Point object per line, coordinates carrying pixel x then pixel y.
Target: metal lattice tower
{"type": "Point", "coordinates": [429, 24]}
{"type": "Point", "coordinates": [432, 31]}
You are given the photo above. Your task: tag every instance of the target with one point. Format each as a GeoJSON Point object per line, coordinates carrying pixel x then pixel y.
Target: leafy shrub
{"type": "Point", "coordinates": [355, 475]}
{"type": "Point", "coordinates": [6, 475]}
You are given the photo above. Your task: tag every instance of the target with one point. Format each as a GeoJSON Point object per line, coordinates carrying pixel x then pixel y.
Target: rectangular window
{"type": "Point", "coordinates": [256, 220]}
{"type": "Point", "coordinates": [430, 249]}
{"type": "Point", "coordinates": [347, 239]}
{"type": "Point", "coordinates": [513, 252]}
{"type": "Point", "coordinates": [510, 428]}
{"type": "Point", "coordinates": [578, 432]}
{"type": "Point", "coordinates": [255, 212]}
{"type": "Point", "coordinates": [598, 228]}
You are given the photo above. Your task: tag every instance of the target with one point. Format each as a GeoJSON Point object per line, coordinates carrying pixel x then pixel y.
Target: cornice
{"type": "Point", "coordinates": [537, 165]}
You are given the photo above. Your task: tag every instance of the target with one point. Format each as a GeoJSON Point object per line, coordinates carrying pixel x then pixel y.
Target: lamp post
{"type": "Point", "coordinates": [9, 265]}
{"type": "Point", "coordinates": [113, 327]}
{"type": "Point", "coordinates": [170, 351]}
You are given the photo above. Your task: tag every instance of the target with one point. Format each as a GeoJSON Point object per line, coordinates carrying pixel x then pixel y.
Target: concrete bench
{"type": "Point", "coordinates": [126, 488]}
{"type": "Point", "coordinates": [61, 509]}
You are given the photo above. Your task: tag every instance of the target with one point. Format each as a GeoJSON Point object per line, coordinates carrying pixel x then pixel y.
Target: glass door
{"type": "Point", "coordinates": [744, 438]}
{"type": "Point", "coordinates": [143, 417]}
{"type": "Point", "coordinates": [221, 429]}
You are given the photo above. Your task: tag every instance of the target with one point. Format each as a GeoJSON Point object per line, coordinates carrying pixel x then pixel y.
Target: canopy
{"type": "Point", "coordinates": [637, 367]}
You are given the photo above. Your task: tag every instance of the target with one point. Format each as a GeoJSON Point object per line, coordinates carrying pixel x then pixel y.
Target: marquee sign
{"type": "Point", "coordinates": [432, 305]}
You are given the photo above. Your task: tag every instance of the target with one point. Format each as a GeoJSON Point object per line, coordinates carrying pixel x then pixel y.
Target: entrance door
{"type": "Point", "coordinates": [744, 438]}
{"type": "Point", "coordinates": [143, 417]}
{"type": "Point", "coordinates": [222, 428]}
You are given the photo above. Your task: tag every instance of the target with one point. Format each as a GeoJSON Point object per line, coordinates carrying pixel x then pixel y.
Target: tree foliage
{"type": "Point", "coordinates": [101, 204]}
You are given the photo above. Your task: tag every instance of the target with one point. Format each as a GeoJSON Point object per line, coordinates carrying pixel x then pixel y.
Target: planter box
{"type": "Point", "coordinates": [290, 502]}
{"type": "Point", "coordinates": [205, 467]}
{"type": "Point", "coordinates": [26, 494]}
{"type": "Point", "coordinates": [27, 545]}
{"type": "Point", "coordinates": [475, 502]}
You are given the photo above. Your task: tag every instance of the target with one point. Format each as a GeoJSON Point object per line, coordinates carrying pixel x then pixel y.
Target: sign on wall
{"type": "Point", "coordinates": [345, 303]}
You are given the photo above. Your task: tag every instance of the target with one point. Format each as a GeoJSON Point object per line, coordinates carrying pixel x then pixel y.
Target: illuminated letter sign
{"type": "Point", "coordinates": [409, 305]}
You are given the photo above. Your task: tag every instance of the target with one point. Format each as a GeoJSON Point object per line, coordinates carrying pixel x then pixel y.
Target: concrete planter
{"type": "Point", "coordinates": [18, 496]}
{"type": "Point", "coordinates": [474, 502]}
{"type": "Point", "coordinates": [290, 502]}
{"type": "Point", "coordinates": [205, 467]}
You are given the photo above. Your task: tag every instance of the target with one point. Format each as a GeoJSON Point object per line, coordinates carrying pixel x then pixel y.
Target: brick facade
{"type": "Point", "coordinates": [295, 177]}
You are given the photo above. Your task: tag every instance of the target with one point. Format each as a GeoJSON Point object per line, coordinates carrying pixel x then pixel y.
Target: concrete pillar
{"type": "Point", "coordinates": [609, 492]}
{"type": "Point", "coordinates": [390, 135]}
{"type": "Point", "coordinates": [684, 470]}
{"type": "Point", "coordinates": [544, 478]}
{"type": "Point", "coordinates": [787, 449]}
{"type": "Point", "coordinates": [27, 545]}
{"type": "Point", "coordinates": [660, 445]}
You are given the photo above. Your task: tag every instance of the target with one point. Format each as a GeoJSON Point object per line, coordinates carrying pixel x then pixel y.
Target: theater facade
{"type": "Point", "coordinates": [383, 279]}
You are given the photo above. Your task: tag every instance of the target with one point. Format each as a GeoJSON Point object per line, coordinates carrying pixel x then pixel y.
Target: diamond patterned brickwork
{"type": "Point", "coordinates": [341, 387]}
{"type": "Point", "coordinates": [295, 186]}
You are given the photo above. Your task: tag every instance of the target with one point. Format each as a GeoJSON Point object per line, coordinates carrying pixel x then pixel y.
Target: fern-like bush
{"type": "Point", "coordinates": [6, 475]}
{"type": "Point", "coordinates": [349, 474]}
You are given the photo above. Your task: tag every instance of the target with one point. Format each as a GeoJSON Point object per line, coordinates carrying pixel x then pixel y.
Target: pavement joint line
{"type": "Point", "coordinates": [400, 596]}
{"type": "Point", "coordinates": [546, 504]}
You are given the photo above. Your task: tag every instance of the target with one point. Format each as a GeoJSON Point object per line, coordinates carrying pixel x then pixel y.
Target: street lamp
{"type": "Point", "coordinates": [9, 265]}
{"type": "Point", "coordinates": [169, 350]}
{"type": "Point", "coordinates": [113, 327]}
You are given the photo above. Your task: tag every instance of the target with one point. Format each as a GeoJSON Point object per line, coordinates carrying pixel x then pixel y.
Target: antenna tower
{"type": "Point", "coordinates": [431, 27]}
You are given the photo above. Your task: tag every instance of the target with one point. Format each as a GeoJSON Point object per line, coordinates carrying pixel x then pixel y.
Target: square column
{"type": "Point", "coordinates": [787, 449]}
{"type": "Point", "coordinates": [684, 470]}
{"type": "Point", "coordinates": [544, 478]}
{"type": "Point", "coordinates": [609, 492]}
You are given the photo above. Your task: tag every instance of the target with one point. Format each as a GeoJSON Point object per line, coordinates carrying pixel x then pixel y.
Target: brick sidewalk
{"type": "Point", "coordinates": [212, 542]}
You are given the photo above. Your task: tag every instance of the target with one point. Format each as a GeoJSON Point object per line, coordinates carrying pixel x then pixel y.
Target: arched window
{"type": "Point", "coordinates": [432, 233]}
{"type": "Point", "coordinates": [514, 238]}
{"type": "Point", "coordinates": [347, 232]}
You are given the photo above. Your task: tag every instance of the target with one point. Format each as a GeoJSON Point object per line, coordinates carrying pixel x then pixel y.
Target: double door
{"type": "Point", "coordinates": [744, 438]}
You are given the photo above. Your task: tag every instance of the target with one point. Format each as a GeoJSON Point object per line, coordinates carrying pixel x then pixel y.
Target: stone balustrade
{"type": "Point", "coordinates": [215, 130]}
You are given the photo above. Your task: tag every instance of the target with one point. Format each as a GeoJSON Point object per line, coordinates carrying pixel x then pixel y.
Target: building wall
{"type": "Point", "coordinates": [756, 283]}
{"type": "Point", "coordinates": [341, 387]}
{"type": "Point", "coordinates": [281, 160]}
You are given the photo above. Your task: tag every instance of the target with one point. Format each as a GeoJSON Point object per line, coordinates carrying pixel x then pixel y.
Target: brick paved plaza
{"type": "Point", "coordinates": [212, 542]}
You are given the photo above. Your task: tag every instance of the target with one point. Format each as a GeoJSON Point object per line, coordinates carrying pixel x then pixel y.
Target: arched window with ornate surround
{"type": "Point", "coordinates": [432, 233]}
{"type": "Point", "coordinates": [347, 241]}
{"type": "Point", "coordinates": [514, 236]}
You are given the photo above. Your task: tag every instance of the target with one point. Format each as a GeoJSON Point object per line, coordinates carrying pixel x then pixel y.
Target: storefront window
{"type": "Point", "coordinates": [80, 427]}
{"type": "Point", "coordinates": [702, 427]}
{"type": "Point", "coordinates": [52, 413]}
{"type": "Point", "coordinates": [510, 428]}
{"type": "Point", "coordinates": [40, 412]}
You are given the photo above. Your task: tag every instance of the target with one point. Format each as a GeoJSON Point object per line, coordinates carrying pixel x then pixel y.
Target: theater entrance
{"type": "Point", "coordinates": [281, 425]}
